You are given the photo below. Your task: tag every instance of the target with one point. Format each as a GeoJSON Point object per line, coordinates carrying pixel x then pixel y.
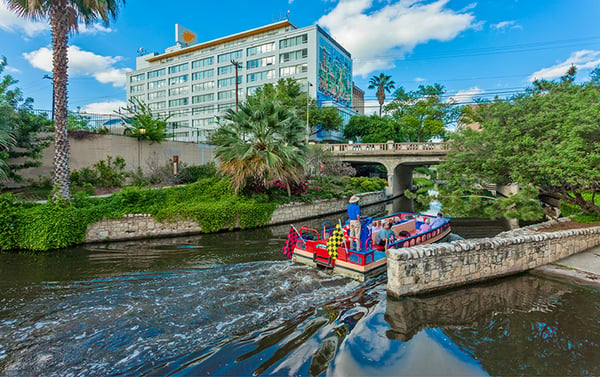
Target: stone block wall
{"type": "Point", "coordinates": [293, 212]}
{"type": "Point", "coordinates": [439, 266]}
{"type": "Point", "coordinates": [138, 226]}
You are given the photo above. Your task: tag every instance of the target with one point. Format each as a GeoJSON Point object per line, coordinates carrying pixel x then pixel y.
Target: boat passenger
{"type": "Point", "coordinates": [438, 221]}
{"type": "Point", "coordinates": [385, 235]}
{"type": "Point", "coordinates": [404, 234]}
{"type": "Point", "coordinates": [354, 217]}
{"type": "Point", "coordinates": [425, 227]}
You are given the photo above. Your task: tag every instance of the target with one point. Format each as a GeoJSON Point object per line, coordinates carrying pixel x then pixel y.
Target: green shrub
{"type": "Point", "coordinates": [193, 173]}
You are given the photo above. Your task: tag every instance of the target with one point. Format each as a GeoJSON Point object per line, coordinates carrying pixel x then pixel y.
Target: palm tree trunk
{"type": "Point", "coordinates": [380, 98]}
{"type": "Point", "coordinates": [60, 38]}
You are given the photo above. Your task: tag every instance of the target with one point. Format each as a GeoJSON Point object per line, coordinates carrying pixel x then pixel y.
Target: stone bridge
{"type": "Point", "coordinates": [399, 159]}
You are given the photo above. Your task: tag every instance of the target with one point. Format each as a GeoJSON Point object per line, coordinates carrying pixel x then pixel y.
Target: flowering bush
{"type": "Point", "coordinates": [297, 189]}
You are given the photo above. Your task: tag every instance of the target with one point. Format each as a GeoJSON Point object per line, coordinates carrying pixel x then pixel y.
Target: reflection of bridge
{"type": "Point", "coordinates": [399, 159]}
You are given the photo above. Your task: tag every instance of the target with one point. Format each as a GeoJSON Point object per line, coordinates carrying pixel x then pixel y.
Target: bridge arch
{"type": "Point", "coordinates": [399, 159]}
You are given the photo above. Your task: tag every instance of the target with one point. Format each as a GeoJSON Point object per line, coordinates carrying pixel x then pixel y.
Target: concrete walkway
{"type": "Point", "coordinates": [582, 268]}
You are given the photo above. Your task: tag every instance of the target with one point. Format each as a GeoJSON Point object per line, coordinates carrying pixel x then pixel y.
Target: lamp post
{"type": "Point", "coordinates": [237, 66]}
{"type": "Point", "coordinates": [141, 136]}
{"type": "Point", "coordinates": [52, 79]}
{"type": "Point", "coordinates": [307, 110]}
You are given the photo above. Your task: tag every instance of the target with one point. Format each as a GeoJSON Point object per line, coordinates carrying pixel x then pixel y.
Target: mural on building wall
{"type": "Point", "coordinates": [335, 74]}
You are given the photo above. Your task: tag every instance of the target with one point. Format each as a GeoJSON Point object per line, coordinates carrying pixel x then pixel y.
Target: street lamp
{"type": "Point", "coordinates": [237, 66]}
{"type": "Point", "coordinates": [51, 79]}
{"type": "Point", "coordinates": [141, 136]}
{"type": "Point", "coordinates": [307, 110]}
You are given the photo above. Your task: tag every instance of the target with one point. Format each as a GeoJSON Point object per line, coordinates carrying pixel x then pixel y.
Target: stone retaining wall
{"type": "Point", "coordinates": [138, 226]}
{"type": "Point", "coordinates": [439, 266]}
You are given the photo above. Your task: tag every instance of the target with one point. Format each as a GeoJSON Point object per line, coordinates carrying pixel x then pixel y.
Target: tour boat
{"type": "Point", "coordinates": [311, 247]}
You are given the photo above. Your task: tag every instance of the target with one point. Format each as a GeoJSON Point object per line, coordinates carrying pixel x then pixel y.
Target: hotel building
{"type": "Point", "coordinates": [195, 82]}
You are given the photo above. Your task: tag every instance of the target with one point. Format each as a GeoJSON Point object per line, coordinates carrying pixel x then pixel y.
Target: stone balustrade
{"type": "Point", "coordinates": [427, 268]}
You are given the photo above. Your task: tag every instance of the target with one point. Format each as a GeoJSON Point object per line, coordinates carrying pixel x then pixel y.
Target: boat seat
{"type": "Point", "coordinates": [409, 226]}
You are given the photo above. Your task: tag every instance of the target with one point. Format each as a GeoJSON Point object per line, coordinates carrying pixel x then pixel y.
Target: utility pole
{"type": "Point", "coordinates": [307, 110]}
{"type": "Point", "coordinates": [51, 79]}
{"type": "Point", "coordinates": [237, 65]}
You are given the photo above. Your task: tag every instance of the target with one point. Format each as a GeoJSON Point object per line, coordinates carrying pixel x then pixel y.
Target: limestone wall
{"type": "Point", "coordinates": [439, 266]}
{"type": "Point", "coordinates": [138, 226]}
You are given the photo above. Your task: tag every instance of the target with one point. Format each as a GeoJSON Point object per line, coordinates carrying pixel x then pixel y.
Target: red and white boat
{"type": "Point", "coordinates": [370, 260]}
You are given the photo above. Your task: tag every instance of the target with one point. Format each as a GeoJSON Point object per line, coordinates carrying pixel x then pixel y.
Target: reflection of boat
{"type": "Point", "coordinates": [336, 250]}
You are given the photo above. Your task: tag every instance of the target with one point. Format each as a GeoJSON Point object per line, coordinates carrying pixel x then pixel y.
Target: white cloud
{"type": "Point", "coordinates": [11, 22]}
{"type": "Point", "coordinates": [108, 107]}
{"type": "Point", "coordinates": [93, 29]}
{"type": "Point", "coordinates": [505, 25]}
{"type": "Point", "coordinates": [82, 63]}
{"type": "Point", "coordinates": [582, 59]}
{"type": "Point", "coordinates": [467, 95]}
{"type": "Point", "coordinates": [420, 79]}
{"type": "Point", "coordinates": [376, 38]}
{"type": "Point", "coordinates": [10, 69]}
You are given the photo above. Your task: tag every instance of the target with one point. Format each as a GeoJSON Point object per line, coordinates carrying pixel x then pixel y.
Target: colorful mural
{"type": "Point", "coordinates": [335, 74]}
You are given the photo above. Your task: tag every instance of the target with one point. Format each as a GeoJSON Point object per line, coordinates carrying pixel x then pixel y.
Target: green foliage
{"type": "Point", "coordinates": [142, 123]}
{"type": "Point", "coordinates": [78, 122]}
{"type": "Point", "coordinates": [22, 133]}
{"type": "Point", "coordinates": [193, 173]}
{"type": "Point", "coordinates": [263, 140]}
{"type": "Point", "coordinates": [374, 129]}
{"type": "Point", "coordinates": [382, 83]}
{"type": "Point", "coordinates": [547, 137]}
{"type": "Point", "coordinates": [104, 173]}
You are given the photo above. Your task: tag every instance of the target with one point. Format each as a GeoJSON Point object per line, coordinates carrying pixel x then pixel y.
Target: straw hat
{"type": "Point", "coordinates": [354, 199]}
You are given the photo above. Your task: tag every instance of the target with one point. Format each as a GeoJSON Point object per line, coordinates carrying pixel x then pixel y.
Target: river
{"type": "Point", "coordinates": [232, 304]}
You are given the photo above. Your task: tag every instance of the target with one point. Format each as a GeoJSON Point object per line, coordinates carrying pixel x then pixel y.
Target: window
{"type": "Point", "coordinates": [203, 122]}
{"type": "Point", "coordinates": [203, 98]}
{"type": "Point", "coordinates": [203, 74]}
{"type": "Point", "coordinates": [203, 110]}
{"type": "Point", "coordinates": [260, 49]}
{"type": "Point", "coordinates": [229, 56]}
{"type": "Point", "coordinates": [293, 55]}
{"type": "Point", "coordinates": [178, 80]}
{"type": "Point", "coordinates": [226, 106]}
{"type": "Point", "coordinates": [179, 112]}
{"type": "Point", "coordinates": [293, 41]}
{"type": "Point", "coordinates": [178, 91]}
{"type": "Point", "coordinates": [228, 82]}
{"type": "Point", "coordinates": [178, 102]}
{"type": "Point", "coordinates": [269, 60]}
{"type": "Point", "coordinates": [178, 68]}
{"type": "Point", "coordinates": [203, 62]}
{"type": "Point", "coordinates": [157, 84]}
{"type": "Point", "coordinates": [136, 88]}
{"type": "Point", "coordinates": [203, 86]}
{"type": "Point", "coordinates": [226, 69]}
{"type": "Point", "coordinates": [136, 78]}
{"type": "Point", "coordinates": [139, 97]}
{"type": "Point", "coordinates": [228, 94]}
{"type": "Point", "coordinates": [252, 89]}
{"type": "Point", "coordinates": [293, 70]}
{"type": "Point", "coordinates": [157, 95]}
{"type": "Point", "coordinates": [157, 105]}
{"type": "Point", "coordinates": [260, 76]}
{"type": "Point", "coordinates": [157, 73]}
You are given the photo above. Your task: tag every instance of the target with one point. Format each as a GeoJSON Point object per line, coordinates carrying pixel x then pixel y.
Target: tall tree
{"type": "Point", "coordinates": [546, 140]}
{"type": "Point", "coordinates": [422, 114]}
{"type": "Point", "coordinates": [383, 83]}
{"type": "Point", "coordinates": [263, 140]}
{"type": "Point", "coordinates": [64, 17]}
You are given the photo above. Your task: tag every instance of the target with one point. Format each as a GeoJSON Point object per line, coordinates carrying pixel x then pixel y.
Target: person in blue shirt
{"type": "Point", "coordinates": [439, 220]}
{"type": "Point", "coordinates": [385, 236]}
{"type": "Point", "coordinates": [354, 217]}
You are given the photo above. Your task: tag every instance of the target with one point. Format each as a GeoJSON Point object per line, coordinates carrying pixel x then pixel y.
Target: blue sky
{"type": "Point", "coordinates": [473, 48]}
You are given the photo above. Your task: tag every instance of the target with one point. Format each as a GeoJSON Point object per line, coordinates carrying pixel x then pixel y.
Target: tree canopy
{"type": "Point", "coordinates": [382, 83]}
{"type": "Point", "coordinates": [263, 140]}
{"type": "Point", "coordinates": [138, 116]}
{"type": "Point", "coordinates": [546, 141]}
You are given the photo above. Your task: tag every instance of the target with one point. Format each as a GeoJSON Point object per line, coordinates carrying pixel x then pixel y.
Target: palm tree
{"type": "Point", "coordinates": [263, 140]}
{"type": "Point", "coordinates": [64, 17]}
{"type": "Point", "coordinates": [383, 83]}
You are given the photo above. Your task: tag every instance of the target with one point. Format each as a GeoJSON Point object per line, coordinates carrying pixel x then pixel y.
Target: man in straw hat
{"type": "Point", "coordinates": [354, 216]}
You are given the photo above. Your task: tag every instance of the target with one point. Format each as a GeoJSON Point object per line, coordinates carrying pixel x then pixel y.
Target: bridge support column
{"type": "Point", "coordinates": [399, 178]}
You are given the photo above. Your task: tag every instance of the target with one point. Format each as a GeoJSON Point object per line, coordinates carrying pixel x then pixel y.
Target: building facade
{"type": "Point", "coordinates": [195, 83]}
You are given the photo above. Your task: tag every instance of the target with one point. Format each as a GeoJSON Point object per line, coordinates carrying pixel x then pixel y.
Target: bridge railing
{"type": "Point", "coordinates": [389, 147]}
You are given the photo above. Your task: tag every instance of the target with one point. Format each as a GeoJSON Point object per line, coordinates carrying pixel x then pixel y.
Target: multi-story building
{"type": "Point", "coordinates": [194, 83]}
